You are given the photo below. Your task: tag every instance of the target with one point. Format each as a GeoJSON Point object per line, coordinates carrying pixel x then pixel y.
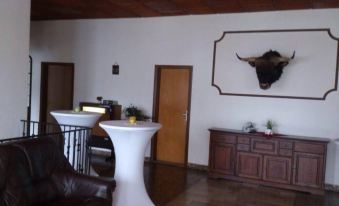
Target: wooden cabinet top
{"type": "Point", "coordinates": [275, 136]}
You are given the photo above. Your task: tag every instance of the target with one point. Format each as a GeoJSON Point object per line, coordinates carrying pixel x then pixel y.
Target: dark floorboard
{"type": "Point", "coordinates": [177, 186]}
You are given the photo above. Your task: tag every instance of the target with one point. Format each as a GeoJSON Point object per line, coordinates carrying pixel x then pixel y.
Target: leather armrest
{"type": "Point", "coordinates": [73, 184]}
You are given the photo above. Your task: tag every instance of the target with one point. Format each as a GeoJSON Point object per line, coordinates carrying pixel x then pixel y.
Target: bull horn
{"type": "Point", "coordinates": [292, 57]}
{"type": "Point", "coordinates": [286, 59]}
{"type": "Point", "coordinates": [248, 59]}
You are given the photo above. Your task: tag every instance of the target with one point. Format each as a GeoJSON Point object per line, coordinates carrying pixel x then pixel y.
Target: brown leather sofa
{"type": "Point", "coordinates": [36, 173]}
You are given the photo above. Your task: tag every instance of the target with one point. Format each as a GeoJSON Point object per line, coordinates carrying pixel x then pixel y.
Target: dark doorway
{"type": "Point", "coordinates": [56, 93]}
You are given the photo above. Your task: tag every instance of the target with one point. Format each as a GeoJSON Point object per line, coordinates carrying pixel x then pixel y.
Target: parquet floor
{"type": "Point", "coordinates": [175, 186]}
{"type": "Point", "coordinates": [209, 192]}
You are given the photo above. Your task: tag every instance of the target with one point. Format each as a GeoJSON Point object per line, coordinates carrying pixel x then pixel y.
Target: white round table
{"type": "Point", "coordinates": [130, 142]}
{"type": "Point", "coordinates": [69, 120]}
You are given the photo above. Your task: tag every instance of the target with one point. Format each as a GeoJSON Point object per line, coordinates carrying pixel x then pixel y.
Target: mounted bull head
{"type": "Point", "coordinates": [269, 67]}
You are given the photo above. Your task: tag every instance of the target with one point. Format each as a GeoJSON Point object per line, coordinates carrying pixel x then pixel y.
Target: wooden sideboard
{"type": "Point", "coordinates": [289, 162]}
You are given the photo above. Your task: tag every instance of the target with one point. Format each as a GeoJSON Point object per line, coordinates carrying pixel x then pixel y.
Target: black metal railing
{"type": "Point", "coordinates": [72, 140]}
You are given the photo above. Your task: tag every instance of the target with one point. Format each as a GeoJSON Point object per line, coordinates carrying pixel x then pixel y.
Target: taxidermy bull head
{"type": "Point", "coordinates": [269, 67]}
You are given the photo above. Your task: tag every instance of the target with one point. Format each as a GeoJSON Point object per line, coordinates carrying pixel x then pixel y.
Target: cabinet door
{"type": "Point", "coordinates": [222, 158]}
{"type": "Point", "coordinates": [249, 165]}
{"type": "Point", "coordinates": [277, 169]}
{"type": "Point", "coordinates": [308, 170]}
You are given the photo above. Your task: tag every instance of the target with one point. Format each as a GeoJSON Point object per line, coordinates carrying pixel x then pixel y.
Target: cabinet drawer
{"type": "Point", "coordinates": [243, 140]}
{"type": "Point", "coordinates": [223, 138]}
{"type": "Point", "coordinates": [286, 145]}
{"type": "Point", "coordinates": [309, 147]}
{"type": "Point", "coordinates": [285, 152]}
{"type": "Point", "coordinates": [243, 147]}
{"type": "Point", "coordinates": [264, 146]}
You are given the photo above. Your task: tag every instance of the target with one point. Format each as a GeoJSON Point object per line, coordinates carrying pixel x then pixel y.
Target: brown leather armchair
{"type": "Point", "coordinates": [36, 173]}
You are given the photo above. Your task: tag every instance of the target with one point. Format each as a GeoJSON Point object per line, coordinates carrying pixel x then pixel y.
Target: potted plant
{"type": "Point", "coordinates": [269, 128]}
{"type": "Point", "coordinates": [132, 113]}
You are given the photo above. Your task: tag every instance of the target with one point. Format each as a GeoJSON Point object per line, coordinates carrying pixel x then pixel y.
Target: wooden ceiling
{"type": "Point", "coordinates": [91, 9]}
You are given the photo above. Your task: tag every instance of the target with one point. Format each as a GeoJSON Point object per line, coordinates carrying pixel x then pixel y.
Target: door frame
{"type": "Point", "coordinates": [155, 113]}
{"type": "Point", "coordinates": [44, 89]}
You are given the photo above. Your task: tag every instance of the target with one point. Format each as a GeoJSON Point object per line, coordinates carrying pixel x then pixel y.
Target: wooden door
{"type": "Point", "coordinates": [56, 89]}
{"type": "Point", "coordinates": [172, 109]}
{"type": "Point", "coordinates": [222, 158]}
{"type": "Point", "coordinates": [249, 165]}
{"type": "Point", "coordinates": [308, 169]}
{"type": "Point", "coordinates": [277, 169]}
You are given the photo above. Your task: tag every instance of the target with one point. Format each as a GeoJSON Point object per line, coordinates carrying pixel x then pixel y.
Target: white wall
{"type": "Point", "coordinates": [138, 44]}
{"type": "Point", "coordinates": [14, 52]}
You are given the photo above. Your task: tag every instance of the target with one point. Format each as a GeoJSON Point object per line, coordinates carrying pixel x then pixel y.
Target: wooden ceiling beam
{"type": "Point", "coordinates": [137, 7]}
{"type": "Point", "coordinates": [292, 4]}
{"type": "Point", "coordinates": [85, 9]}
{"type": "Point", "coordinates": [220, 6]}
{"type": "Point", "coordinates": [164, 7]}
{"type": "Point", "coordinates": [193, 6]}
{"type": "Point", "coordinates": [325, 4]}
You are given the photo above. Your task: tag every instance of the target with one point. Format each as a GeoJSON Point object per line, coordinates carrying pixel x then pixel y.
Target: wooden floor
{"type": "Point", "coordinates": [175, 186]}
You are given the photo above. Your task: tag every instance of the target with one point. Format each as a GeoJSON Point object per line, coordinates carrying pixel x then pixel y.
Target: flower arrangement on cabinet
{"type": "Point", "coordinates": [269, 128]}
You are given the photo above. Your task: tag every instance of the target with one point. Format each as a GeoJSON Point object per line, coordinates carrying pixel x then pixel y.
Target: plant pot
{"type": "Point", "coordinates": [132, 119]}
{"type": "Point", "coordinates": [268, 132]}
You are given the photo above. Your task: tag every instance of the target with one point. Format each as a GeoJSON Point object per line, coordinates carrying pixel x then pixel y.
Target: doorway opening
{"type": "Point", "coordinates": [56, 92]}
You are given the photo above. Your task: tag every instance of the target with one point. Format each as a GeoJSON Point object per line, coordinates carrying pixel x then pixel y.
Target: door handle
{"type": "Point", "coordinates": [185, 115]}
